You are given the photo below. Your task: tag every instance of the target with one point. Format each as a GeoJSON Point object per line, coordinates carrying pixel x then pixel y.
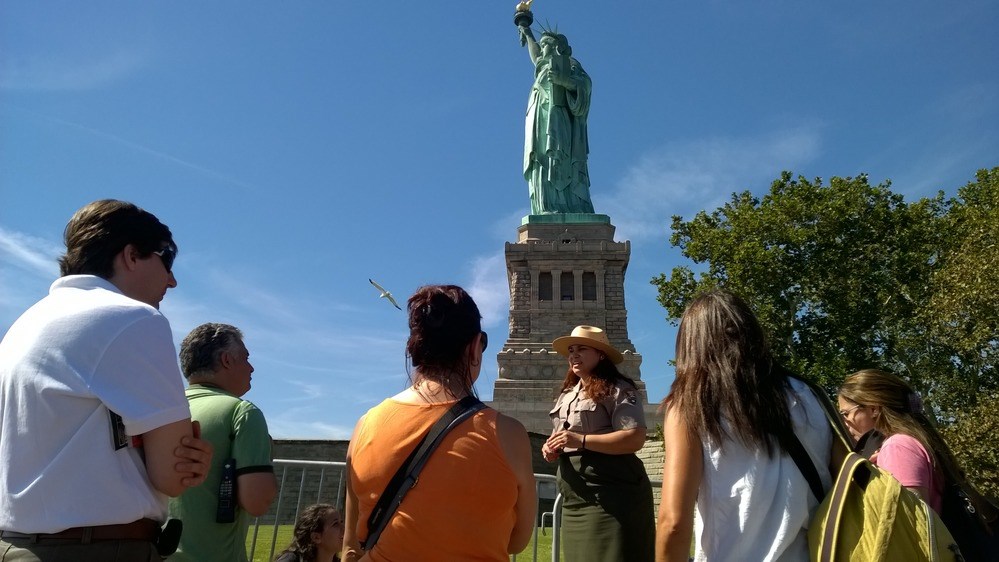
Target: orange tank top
{"type": "Point", "coordinates": [461, 508]}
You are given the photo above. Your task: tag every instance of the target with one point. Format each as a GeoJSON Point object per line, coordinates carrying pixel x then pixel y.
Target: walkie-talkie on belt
{"type": "Point", "coordinates": [227, 493]}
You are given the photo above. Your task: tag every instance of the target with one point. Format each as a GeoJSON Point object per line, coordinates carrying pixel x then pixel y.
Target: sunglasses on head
{"type": "Point", "coordinates": [167, 255]}
{"type": "Point", "coordinates": [846, 413]}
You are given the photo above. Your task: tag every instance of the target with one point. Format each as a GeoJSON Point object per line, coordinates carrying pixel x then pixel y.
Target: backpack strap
{"type": "Point", "coordinates": [407, 475]}
{"type": "Point", "coordinates": [806, 466]}
{"type": "Point", "coordinates": [837, 503]}
{"type": "Point", "coordinates": [797, 450]}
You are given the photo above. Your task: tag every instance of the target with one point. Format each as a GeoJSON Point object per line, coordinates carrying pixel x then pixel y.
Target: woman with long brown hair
{"type": "Point", "coordinates": [731, 416]}
{"type": "Point", "coordinates": [607, 511]}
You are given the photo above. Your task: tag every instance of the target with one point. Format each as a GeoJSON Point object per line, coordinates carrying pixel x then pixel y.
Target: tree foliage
{"type": "Point", "coordinates": [963, 309]}
{"type": "Point", "coordinates": [973, 439]}
{"type": "Point", "coordinates": [849, 275]}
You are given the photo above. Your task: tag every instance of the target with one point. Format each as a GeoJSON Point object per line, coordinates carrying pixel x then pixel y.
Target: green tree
{"type": "Point", "coordinates": [973, 440]}
{"type": "Point", "coordinates": [963, 310]}
{"type": "Point", "coordinates": [840, 275]}
{"type": "Point", "coordinates": [848, 275]}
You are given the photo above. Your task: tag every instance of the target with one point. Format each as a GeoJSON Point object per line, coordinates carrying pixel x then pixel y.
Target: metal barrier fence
{"type": "Point", "coordinates": [316, 484]}
{"type": "Point", "coordinates": [312, 488]}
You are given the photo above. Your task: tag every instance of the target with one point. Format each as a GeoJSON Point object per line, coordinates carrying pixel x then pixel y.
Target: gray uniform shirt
{"type": "Point", "coordinates": [620, 409]}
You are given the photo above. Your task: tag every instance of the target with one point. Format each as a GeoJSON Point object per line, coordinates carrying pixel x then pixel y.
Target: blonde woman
{"type": "Point", "coordinates": [881, 408]}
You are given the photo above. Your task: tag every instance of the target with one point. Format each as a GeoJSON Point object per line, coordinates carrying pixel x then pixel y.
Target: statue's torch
{"type": "Point", "coordinates": [523, 16]}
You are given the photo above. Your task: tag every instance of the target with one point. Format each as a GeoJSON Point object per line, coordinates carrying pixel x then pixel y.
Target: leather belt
{"type": "Point", "coordinates": [141, 530]}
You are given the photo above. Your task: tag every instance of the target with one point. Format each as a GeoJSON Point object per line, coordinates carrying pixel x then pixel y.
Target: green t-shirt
{"type": "Point", "coordinates": [236, 429]}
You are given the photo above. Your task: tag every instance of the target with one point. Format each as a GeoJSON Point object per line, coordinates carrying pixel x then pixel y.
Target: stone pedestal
{"type": "Point", "coordinates": [564, 270]}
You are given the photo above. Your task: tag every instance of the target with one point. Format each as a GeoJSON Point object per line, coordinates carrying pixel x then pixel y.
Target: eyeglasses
{"type": "Point", "coordinates": [167, 255]}
{"type": "Point", "coordinates": [485, 340]}
{"type": "Point", "coordinates": [846, 413]}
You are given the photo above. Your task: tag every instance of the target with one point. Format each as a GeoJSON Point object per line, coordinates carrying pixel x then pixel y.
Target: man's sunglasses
{"type": "Point", "coordinates": [167, 255]}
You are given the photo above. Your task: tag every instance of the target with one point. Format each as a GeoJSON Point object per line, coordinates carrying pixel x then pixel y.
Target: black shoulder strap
{"type": "Point", "coordinates": [806, 466]}
{"type": "Point", "coordinates": [407, 475]}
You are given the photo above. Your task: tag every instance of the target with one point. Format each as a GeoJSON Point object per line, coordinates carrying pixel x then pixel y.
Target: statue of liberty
{"type": "Point", "coordinates": [555, 143]}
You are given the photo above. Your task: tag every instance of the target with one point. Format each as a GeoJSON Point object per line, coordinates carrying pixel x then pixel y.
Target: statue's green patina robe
{"type": "Point", "coordinates": [555, 144]}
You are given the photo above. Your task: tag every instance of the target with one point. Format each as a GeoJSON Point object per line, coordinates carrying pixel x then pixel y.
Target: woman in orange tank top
{"type": "Point", "coordinates": [476, 497]}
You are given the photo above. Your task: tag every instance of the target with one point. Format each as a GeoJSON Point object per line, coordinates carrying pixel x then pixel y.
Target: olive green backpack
{"type": "Point", "coordinates": [868, 515]}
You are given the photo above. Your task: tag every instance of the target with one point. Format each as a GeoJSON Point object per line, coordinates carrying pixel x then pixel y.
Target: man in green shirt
{"type": "Point", "coordinates": [240, 484]}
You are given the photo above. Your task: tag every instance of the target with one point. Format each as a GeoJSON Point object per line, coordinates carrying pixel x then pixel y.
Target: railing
{"type": "Point", "coordinates": [545, 487]}
{"type": "Point", "coordinates": [321, 489]}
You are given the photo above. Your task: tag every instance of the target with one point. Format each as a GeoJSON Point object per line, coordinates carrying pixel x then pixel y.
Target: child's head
{"type": "Point", "coordinates": [319, 526]}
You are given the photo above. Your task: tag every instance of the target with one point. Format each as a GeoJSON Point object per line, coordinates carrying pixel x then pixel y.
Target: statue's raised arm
{"type": "Point", "coordinates": [527, 38]}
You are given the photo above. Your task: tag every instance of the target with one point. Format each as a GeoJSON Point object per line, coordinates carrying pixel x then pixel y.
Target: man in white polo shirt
{"type": "Point", "coordinates": [95, 431]}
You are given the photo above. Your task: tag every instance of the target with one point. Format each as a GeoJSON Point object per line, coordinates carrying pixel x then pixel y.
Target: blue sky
{"type": "Point", "coordinates": [298, 148]}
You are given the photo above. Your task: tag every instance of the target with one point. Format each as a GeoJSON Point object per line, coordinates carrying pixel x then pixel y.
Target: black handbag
{"type": "Point", "coordinates": [973, 523]}
{"type": "Point", "coordinates": [408, 473]}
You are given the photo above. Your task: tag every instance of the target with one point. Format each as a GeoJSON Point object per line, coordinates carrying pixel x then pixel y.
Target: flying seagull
{"type": "Point", "coordinates": [385, 294]}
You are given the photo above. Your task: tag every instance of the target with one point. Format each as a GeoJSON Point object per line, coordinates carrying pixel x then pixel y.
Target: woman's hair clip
{"type": "Point", "coordinates": [434, 315]}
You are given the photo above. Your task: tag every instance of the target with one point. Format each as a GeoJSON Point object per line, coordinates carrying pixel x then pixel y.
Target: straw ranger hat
{"type": "Point", "coordinates": [589, 336]}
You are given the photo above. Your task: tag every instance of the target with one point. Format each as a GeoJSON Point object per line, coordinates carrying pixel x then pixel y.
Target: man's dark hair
{"type": "Point", "coordinates": [202, 349]}
{"type": "Point", "coordinates": [102, 229]}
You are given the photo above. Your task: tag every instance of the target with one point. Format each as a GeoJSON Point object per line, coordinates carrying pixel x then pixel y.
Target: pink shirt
{"type": "Point", "coordinates": [909, 462]}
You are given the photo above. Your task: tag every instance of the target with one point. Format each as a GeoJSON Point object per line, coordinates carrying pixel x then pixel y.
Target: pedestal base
{"type": "Point", "coordinates": [566, 228]}
{"type": "Point", "coordinates": [566, 218]}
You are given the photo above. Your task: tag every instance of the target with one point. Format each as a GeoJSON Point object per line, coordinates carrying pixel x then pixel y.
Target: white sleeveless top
{"type": "Point", "coordinates": [753, 507]}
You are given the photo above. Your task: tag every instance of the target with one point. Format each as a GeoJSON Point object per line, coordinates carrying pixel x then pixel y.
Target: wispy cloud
{"type": "Point", "coordinates": [489, 288]}
{"type": "Point", "coordinates": [40, 73]}
{"type": "Point", "coordinates": [306, 390]}
{"type": "Point", "coordinates": [950, 158]}
{"type": "Point", "coordinates": [304, 426]}
{"type": "Point", "coordinates": [279, 326]}
{"type": "Point", "coordinates": [276, 309]}
{"type": "Point", "coordinates": [319, 346]}
{"type": "Point", "coordinates": [683, 178]}
{"type": "Point", "coordinates": [323, 354]}
{"type": "Point", "coordinates": [27, 268]}
{"type": "Point", "coordinates": [500, 228]}
{"type": "Point", "coordinates": [937, 172]}
{"type": "Point", "coordinates": [35, 255]}
{"type": "Point", "coordinates": [970, 103]}
{"type": "Point", "coordinates": [139, 147]}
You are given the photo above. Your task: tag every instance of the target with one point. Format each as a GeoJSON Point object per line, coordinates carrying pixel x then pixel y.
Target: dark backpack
{"type": "Point", "coordinates": [972, 520]}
